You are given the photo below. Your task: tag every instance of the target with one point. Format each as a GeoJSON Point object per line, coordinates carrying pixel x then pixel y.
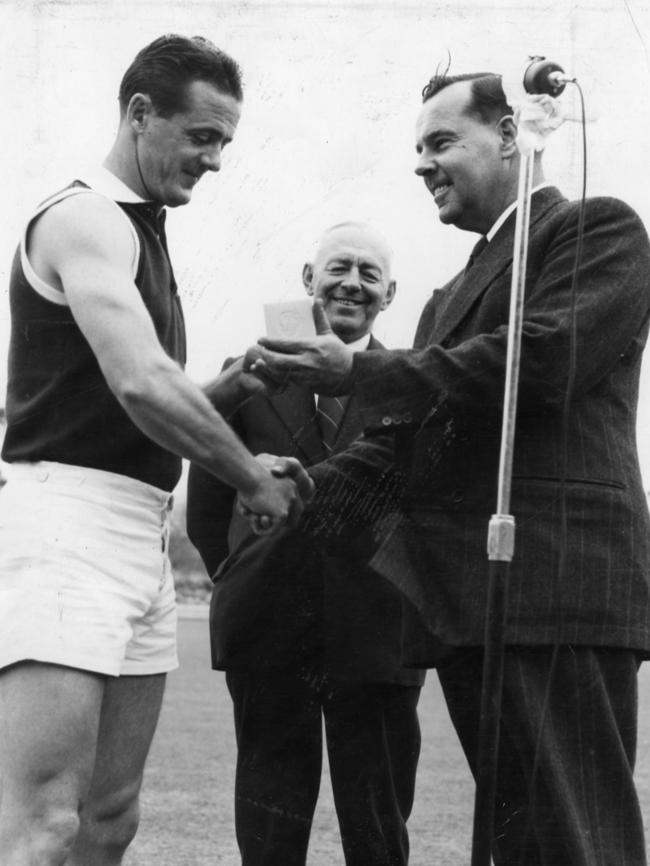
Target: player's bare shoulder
{"type": "Point", "coordinates": [86, 225]}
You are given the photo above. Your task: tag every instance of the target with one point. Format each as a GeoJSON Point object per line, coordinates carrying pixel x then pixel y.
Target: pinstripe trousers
{"type": "Point", "coordinates": [581, 808]}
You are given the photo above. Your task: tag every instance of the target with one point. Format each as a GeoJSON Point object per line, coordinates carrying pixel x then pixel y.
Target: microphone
{"type": "Point", "coordinates": [545, 76]}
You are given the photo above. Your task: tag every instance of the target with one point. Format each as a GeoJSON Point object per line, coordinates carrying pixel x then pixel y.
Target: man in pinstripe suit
{"type": "Point", "coordinates": [578, 620]}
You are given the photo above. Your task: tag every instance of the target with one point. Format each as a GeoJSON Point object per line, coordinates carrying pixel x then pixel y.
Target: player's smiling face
{"type": "Point", "coordinates": [351, 275]}
{"type": "Point", "coordinates": [176, 151]}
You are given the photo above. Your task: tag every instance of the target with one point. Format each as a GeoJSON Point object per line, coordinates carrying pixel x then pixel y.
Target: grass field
{"type": "Point", "coordinates": [188, 801]}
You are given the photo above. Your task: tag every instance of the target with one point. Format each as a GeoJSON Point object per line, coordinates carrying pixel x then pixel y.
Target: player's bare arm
{"type": "Point", "coordinates": [83, 247]}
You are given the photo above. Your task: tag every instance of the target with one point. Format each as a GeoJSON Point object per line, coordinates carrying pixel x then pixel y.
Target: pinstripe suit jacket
{"type": "Point", "coordinates": [279, 601]}
{"type": "Point", "coordinates": [444, 399]}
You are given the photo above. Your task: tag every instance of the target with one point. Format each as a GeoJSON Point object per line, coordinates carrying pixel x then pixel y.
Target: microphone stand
{"type": "Point", "coordinates": [501, 540]}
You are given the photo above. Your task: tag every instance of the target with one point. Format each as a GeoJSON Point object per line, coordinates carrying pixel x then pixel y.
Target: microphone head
{"type": "Point", "coordinates": [539, 77]}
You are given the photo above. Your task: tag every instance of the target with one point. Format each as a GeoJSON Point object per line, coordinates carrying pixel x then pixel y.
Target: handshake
{"type": "Point", "coordinates": [280, 496]}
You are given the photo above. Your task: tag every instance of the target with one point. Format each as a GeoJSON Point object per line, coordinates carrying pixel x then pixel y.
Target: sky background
{"type": "Point", "coordinates": [327, 134]}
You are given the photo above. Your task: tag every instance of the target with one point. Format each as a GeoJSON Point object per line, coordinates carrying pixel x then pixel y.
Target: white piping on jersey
{"type": "Point", "coordinates": [40, 286]}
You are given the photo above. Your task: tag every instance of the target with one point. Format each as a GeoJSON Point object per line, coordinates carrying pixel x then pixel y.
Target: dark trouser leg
{"type": "Point", "coordinates": [279, 741]}
{"type": "Point", "coordinates": [583, 808]}
{"type": "Point", "coordinates": [373, 742]}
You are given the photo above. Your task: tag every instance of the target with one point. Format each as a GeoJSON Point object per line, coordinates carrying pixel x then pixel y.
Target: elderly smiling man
{"type": "Point", "coordinates": [304, 636]}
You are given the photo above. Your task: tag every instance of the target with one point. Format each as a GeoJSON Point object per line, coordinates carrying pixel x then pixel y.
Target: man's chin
{"type": "Point", "coordinates": [178, 198]}
{"type": "Point", "coordinates": [446, 215]}
{"type": "Point", "coordinates": [347, 329]}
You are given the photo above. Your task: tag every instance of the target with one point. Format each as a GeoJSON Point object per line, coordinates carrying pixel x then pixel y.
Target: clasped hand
{"type": "Point", "coordinates": [280, 498]}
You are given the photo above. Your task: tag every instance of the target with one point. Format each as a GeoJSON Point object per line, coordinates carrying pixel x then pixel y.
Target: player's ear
{"type": "Point", "coordinates": [138, 111]}
{"type": "Point", "coordinates": [307, 277]}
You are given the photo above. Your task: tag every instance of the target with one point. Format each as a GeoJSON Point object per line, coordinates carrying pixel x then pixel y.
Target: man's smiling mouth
{"type": "Point", "coordinates": [348, 302]}
{"type": "Point", "coordinates": [440, 189]}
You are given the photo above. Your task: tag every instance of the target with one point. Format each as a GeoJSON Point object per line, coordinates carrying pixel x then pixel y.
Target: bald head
{"type": "Point", "coordinates": [358, 234]}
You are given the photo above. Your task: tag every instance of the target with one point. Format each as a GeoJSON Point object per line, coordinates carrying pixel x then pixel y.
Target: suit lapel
{"type": "Point", "coordinates": [351, 423]}
{"type": "Point", "coordinates": [467, 288]}
{"type": "Point", "coordinates": [296, 410]}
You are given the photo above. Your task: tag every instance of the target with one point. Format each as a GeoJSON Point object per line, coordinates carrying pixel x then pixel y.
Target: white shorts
{"type": "Point", "coordinates": [85, 577]}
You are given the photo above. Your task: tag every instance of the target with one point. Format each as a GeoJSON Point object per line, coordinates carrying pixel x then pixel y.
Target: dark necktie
{"type": "Point", "coordinates": [476, 252]}
{"type": "Point", "coordinates": [329, 412]}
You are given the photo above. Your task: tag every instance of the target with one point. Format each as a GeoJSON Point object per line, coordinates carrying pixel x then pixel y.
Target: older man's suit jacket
{"type": "Point", "coordinates": [281, 601]}
{"type": "Point", "coordinates": [443, 401]}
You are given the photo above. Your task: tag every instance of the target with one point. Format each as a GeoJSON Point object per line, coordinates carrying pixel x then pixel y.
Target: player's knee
{"type": "Point", "coordinates": [112, 825]}
{"type": "Point", "coordinates": [125, 825]}
{"type": "Point", "coordinates": [62, 826]}
{"type": "Point", "coordinates": [50, 836]}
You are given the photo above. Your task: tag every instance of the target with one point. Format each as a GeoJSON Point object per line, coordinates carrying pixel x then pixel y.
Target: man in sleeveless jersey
{"type": "Point", "coordinates": [99, 414]}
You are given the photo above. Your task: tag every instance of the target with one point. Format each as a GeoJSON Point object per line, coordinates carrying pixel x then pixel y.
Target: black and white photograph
{"type": "Point", "coordinates": [325, 433]}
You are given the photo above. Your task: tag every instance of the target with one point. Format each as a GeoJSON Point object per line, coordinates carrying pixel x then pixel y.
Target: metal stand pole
{"type": "Point", "coordinates": [501, 540]}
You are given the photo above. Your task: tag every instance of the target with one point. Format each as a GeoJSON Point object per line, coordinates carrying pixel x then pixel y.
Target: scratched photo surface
{"type": "Point", "coordinates": [332, 92]}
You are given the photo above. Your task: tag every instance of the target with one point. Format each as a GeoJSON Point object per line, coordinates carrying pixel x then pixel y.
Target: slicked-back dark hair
{"type": "Point", "coordinates": [488, 101]}
{"type": "Point", "coordinates": [164, 68]}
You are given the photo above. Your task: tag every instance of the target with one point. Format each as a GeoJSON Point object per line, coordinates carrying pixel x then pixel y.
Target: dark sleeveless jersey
{"type": "Point", "coordinates": [59, 406]}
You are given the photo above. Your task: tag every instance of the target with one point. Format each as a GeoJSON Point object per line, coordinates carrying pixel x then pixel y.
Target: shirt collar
{"type": "Point", "coordinates": [105, 182]}
{"type": "Point", "coordinates": [511, 207]}
{"type": "Point", "coordinates": [361, 344]}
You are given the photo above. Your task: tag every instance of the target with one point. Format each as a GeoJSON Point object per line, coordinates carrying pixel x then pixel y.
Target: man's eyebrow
{"type": "Point", "coordinates": [211, 132]}
{"type": "Point", "coordinates": [345, 259]}
{"type": "Point", "coordinates": [440, 132]}
{"type": "Point", "coordinates": [433, 135]}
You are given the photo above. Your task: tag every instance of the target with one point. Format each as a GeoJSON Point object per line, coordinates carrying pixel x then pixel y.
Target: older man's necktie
{"type": "Point", "coordinates": [329, 412]}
